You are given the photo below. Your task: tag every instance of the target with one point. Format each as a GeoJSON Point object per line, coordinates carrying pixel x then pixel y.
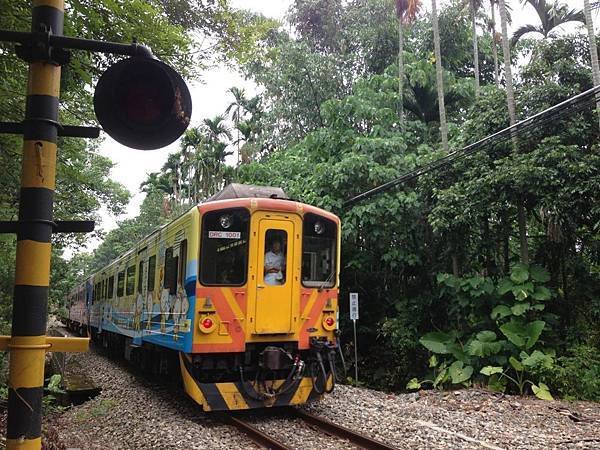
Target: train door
{"type": "Point", "coordinates": [276, 276]}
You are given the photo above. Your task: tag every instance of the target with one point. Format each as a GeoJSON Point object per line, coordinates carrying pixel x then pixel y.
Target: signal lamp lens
{"type": "Point", "coordinates": [226, 221]}
{"type": "Point", "coordinates": [329, 321]}
{"type": "Point", "coordinates": [207, 323]}
{"type": "Point", "coordinates": [319, 228]}
{"type": "Point", "coordinates": [142, 103]}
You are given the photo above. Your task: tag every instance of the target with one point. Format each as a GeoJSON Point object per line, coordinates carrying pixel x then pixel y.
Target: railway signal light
{"type": "Point", "coordinates": [142, 103]}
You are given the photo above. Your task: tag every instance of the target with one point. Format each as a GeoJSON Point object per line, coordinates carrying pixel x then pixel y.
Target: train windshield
{"type": "Point", "coordinates": [318, 251]}
{"type": "Point", "coordinates": [224, 247]}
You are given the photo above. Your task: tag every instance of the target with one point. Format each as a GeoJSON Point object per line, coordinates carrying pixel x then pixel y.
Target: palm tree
{"type": "Point", "coordinates": [439, 76]}
{"type": "Point", "coordinates": [216, 127]}
{"type": "Point", "coordinates": [551, 16]}
{"type": "Point", "coordinates": [406, 10]}
{"type": "Point", "coordinates": [593, 51]}
{"type": "Point", "coordinates": [474, 6]}
{"type": "Point", "coordinates": [510, 100]}
{"type": "Point", "coordinates": [236, 108]}
{"type": "Point", "coordinates": [491, 24]}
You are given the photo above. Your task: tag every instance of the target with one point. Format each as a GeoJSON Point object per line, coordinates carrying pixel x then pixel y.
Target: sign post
{"type": "Point", "coordinates": [354, 318]}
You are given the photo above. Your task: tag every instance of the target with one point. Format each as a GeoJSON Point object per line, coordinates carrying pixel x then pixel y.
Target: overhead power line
{"type": "Point", "coordinates": [533, 123]}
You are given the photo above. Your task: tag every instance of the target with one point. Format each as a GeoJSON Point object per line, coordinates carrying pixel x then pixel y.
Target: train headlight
{"type": "Point", "coordinates": [319, 228]}
{"type": "Point", "coordinates": [226, 221]}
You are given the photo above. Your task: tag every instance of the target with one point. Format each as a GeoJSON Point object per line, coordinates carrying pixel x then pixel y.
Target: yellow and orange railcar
{"type": "Point", "coordinates": [239, 294]}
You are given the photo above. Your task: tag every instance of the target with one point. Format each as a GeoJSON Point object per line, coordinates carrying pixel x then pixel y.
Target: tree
{"type": "Point", "coordinates": [491, 24]}
{"type": "Point", "coordinates": [593, 51]}
{"type": "Point", "coordinates": [439, 76]}
{"type": "Point", "coordinates": [236, 109]}
{"type": "Point", "coordinates": [474, 6]}
{"type": "Point", "coordinates": [406, 11]}
{"type": "Point", "coordinates": [552, 14]}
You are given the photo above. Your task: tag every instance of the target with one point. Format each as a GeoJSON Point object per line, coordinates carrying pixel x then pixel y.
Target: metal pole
{"type": "Point", "coordinates": [355, 354]}
{"type": "Point", "coordinates": [30, 301]}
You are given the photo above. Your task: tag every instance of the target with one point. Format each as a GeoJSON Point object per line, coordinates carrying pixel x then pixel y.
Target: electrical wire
{"type": "Point", "coordinates": [528, 126]}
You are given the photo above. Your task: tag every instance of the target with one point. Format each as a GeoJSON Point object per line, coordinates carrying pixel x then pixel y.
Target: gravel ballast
{"type": "Point", "coordinates": [135, 413]}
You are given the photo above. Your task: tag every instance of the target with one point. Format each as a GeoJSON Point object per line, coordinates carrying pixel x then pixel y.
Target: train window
{"type": "Point", "coordinates": [319, 240]}
{"type": "Point", "coordinates": [275, 257]}
{"type": "Point", "coordinates": [130, 280]}
{"type": "Point", "coordinates": [140, 276]}
{"type": "Point", "coordinates": [111, 287]}
{"type": "Point", "coordinates": [171, 263]}
{"type": "Point", "coordinates": [151, 272]}
{"type": "Point", "coordinates": [182, 260]}
{"type": "Point", "coordinates": [224, 248]}
{"type": "Point", "coordinates": [121, 284]}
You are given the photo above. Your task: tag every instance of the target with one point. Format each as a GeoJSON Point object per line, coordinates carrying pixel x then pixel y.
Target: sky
{"type": "Point", "coordinates": [209, 98]}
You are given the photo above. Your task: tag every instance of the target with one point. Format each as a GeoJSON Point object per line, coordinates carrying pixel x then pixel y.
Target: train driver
{"type": "Point", "coordinates": [274, 264]}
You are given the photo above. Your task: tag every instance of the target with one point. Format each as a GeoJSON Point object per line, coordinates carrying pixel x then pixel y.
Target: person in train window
{"type": "Point", "coordinates": [274, 264]}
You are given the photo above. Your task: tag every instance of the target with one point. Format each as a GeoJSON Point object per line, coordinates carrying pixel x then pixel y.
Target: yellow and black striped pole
{"type": "Point", "coordinates": [28, 343]}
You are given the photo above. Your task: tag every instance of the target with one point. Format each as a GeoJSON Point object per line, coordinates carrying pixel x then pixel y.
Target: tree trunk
{"type": "Point", "coordinates": [593, 51]}
{"type": "Point", "coordinates": [475, 48]}
{"type": "Point", "coordinates": [439, 76]}
{"type": "Point", "coordinates": [494, 46]}
{"type": "Point", "coordinates": [510, 99]}
{"type": "Point", "coordinates": [455, 265]}
{"type": "Point", "coordinates": [400, 74]}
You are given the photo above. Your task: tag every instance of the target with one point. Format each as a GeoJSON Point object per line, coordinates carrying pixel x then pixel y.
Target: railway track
{"type": "Point", "coordinates": [316, 423]}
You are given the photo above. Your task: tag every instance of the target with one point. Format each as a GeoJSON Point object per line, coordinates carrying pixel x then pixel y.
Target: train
{"type": "Point", "coordinates": [238, 297]}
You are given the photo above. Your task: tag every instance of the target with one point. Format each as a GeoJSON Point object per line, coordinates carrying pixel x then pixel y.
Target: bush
{"type": "Point", "coordinates": [577, 375]}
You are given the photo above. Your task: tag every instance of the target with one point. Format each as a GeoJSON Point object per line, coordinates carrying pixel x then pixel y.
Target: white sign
{"type": "Point", "coordinates": [353, 305]}
{"type": "Point", "coordinates": [224, 234]}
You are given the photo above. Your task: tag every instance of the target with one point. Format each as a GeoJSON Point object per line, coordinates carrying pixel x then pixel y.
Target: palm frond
{"type": "Point", "coordinates": [518, 34]}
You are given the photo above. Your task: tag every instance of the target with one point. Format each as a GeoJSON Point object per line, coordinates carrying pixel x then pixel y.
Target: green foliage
{"type": "Point", "coordinates": [576, 375]}
{"type": "Point", "coordinates": [513, 316]}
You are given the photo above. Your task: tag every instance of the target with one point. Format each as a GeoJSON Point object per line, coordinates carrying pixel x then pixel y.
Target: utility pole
{"type": "Point", "coordinates": [32, 277]}
{"type": "Point", "coordinates": [142, 103]}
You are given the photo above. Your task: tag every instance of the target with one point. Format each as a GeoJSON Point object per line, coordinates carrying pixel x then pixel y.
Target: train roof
{"type": "Point", "coordinates": [237, 190]}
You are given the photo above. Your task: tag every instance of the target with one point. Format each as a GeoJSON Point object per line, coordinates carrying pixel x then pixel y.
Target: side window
{"type": "Point", "coordinates": [140, 276]}
{"type": "Point", "coordinates": [121, 284]}
{"type": "Point", "coordinates": [171, 263]}
{"type": "Point", "coordinates": [130, 282]}
{"type": "Point", "coordinates": [151, 272]}
{"type": "Point", "coordinates": [182, 260]}
{"type": "Point", "coordinates": [111, 287]}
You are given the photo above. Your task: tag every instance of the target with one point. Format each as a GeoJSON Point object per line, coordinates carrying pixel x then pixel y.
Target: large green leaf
{"type": "Point", "coordinates": [486, 336]}
{"type": "Point", "coordinates": [520, 308]}
{"type": "Point", "coordinates": [413, 384]}
{"type": "Point", "coordinates": [459, 372]}
{"type": "Point", "coordinates": [441, 378]}
{"type": "Point", "coordinates": [542, 391]}
{"type": "Point", "coordinates": [541, 293]}
{"type": "Point", "coordinates": [500, 312]}
{"type": "Point", "coordinates": [522, 291]}
{"type": "Point", "coordinates": [516, 364]}
{"type": "Point", "coordinates": [490, 370]}
{"type": "Point", "coordinates": [505, 286]}
{"type": "Point", "coordinates": [533, 331]}
{"type": "Point", "coordinates": [437, 342]}
{"type": "Point", "coordinates": [519, 274]}
{"type": "Point", "coordinates": [538, 359]}
{"type": "Point", "coordinates": [539, 274]}
{"type": "Point", "coordinates": [484, 344]}
{"type": "Point", "coordinates": [515, 332]}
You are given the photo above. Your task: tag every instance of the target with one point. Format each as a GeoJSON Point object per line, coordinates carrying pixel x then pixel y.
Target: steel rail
{"type": "Point", "coordinates": [332, 428]}
{"type": "Point", "coordinates": [255, 434]}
